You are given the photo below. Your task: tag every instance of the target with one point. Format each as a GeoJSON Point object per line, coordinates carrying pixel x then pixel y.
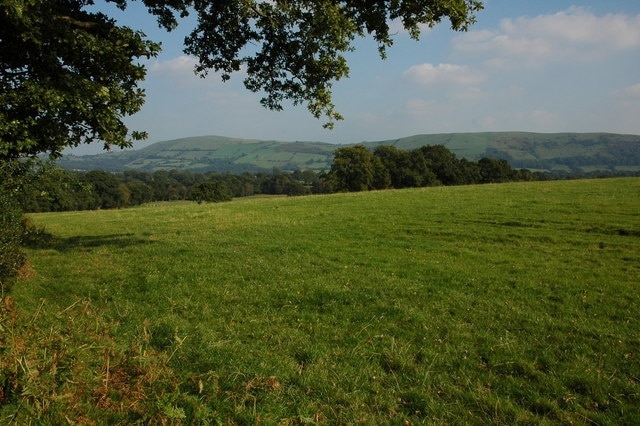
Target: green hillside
{"type": "Point", "coordinates": [578, 152]}
{"type": "Point", "coordinates": [558, 152]}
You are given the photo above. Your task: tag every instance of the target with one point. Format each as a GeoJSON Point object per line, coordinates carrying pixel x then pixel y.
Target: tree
{"type": "Point", "coordinates": [51, 188]}
{"type": "Point", "coordinates": [11, 232]}
{"type": "Point", "coordinates": [140, 192]}
{"type": "Point", "coordinates": [443, 163]}
{"type": "Point", "coordinates": [494, 170]}
{"type": "Point", "coordinates": [69, 75]}
{"type": "Point", "coordinates": [396, 163]}
{"type": "Point", "coordinates": [294, 187]}
{"type": "Point", "coordinates": [297, 47]}
{"type": "Point", "coordinates": [105, 189]}
{"type": "Point", "coordinates": [469, 172]}
{"type": "Point", "coordinates": [212, 191]}
{"type": "Point", "coordinates": [12, 257]}
{"type": "Point", "coordinates": [355, 168]}
{"type": "Point", "coordinates": [406, 169]}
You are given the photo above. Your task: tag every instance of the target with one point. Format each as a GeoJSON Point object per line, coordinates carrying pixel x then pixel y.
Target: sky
{"type": "Point", "coordinates": [538, 66]}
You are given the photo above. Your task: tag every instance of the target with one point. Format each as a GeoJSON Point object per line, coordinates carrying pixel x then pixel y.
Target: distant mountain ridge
{"type": "Point", "coordinates": [555, 152]}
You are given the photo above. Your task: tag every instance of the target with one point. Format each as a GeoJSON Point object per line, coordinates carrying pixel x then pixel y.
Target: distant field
{"type": "Point", "coordinates": [502, 304]}
{"type": "Point", "coordinates": [552, 152]}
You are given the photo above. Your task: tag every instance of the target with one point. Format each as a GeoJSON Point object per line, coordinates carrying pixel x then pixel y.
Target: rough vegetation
{"type": "Point", "coordinates": [12, 225]}
{"type": "Point", "coordinates": [11, 232]}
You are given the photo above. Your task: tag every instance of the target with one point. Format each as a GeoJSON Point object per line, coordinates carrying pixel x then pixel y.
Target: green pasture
{"type": "Point", "coordinates": [492, 304]}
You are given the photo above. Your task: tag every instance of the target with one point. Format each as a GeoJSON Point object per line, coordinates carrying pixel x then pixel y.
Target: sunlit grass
{"type": "Point", "coordinates": [496, 303]}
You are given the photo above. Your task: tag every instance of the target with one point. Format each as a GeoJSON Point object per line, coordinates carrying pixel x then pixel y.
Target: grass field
{"type": "Point", "coordinates": [503, 304]}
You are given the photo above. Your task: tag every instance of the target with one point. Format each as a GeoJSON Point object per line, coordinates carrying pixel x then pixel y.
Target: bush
{"type": "Point", "coordinates": [211, 191]}
{"type": "Point", "coordinates": [11, 231]}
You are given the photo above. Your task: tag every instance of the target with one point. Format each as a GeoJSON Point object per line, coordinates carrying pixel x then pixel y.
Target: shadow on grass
{"type": "Point", "coordinates": [40, 239]}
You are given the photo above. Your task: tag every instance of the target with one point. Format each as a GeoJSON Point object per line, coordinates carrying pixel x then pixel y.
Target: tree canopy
{"type": "Point", "coordinates": [69, 75]}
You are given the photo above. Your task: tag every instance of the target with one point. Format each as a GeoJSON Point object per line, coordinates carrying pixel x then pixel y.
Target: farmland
{"type": "Point", "coordinates": [498, 304]}
{"type": "Point", "coordinates": [578, 153]}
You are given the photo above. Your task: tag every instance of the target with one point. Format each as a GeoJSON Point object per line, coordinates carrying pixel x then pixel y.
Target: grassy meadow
{"type": "Point", "coordinates": [503, 304]}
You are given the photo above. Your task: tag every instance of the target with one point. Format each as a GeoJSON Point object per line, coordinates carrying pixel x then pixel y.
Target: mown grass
{"type": "Point", "coordinates": [511, 303]}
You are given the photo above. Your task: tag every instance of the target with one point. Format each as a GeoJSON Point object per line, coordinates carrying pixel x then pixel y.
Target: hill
{"type": "Point", "coordinates": [555, 152]}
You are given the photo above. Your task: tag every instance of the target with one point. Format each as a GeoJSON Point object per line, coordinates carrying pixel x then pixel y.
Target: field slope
{"type": "Point", "coordinates": [480, 304]}
{"type": "Point", "coordinates": [557, 152]}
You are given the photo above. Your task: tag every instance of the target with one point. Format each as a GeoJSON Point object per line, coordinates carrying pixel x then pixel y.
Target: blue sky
{"type": "Point", "coordinates": [541, 66]}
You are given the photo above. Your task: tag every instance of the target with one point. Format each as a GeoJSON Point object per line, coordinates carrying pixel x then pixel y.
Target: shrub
{"type": "Point", "coordinates": [11, 231]}
{"type": "Point", "coordinates": [210, 191]}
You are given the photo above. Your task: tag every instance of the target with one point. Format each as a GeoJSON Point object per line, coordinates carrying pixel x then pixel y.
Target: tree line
{"type": "Point", "coordinates": [50, 188]}
{"type": "Point", "coordinates": [357, 168]}
{"type": "Point", "coordinates": [45, 187]}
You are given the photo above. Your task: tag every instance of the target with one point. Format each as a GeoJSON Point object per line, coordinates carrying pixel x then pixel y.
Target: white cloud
{"type": "Point", "coordinates": [626, 108]}
{"type": "Point", "coordinates": [428, 116]}
{"type": "Point", "coordinates": [179, 65]}
{"type": "Point", "coordinates": [428, 74]}
{"type": "Point", "coordinates": [575, 34]}
{"type": "Point", "coordinates": [629, 92]}
{"type": "Point", "coordinates": [521, 119]}
{"type": "Point", "coordinates": [397, 27]}
{"type": "Point", "coordinates": [579, 27]}
{"type": "Point", "coordinates": [471, 94]}
{"type": "Point", "coordinates": [180, 72]}
{"type": "Point", "coordinates": [543, 119]}
{"type": "Point", "coordinates": [422, 107]}
{"type": "Point", "coordinates": [566, 71]}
